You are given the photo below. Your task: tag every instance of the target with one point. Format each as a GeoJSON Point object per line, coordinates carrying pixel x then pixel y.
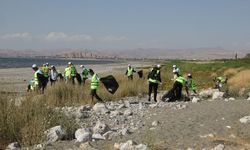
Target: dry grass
{"type": "Point", "coordinates": [240, 80]}
{"type": "Point", "coordinates": [26, 123]}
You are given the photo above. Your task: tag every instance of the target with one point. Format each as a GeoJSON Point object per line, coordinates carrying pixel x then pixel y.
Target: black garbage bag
{"type": "Point", "coordinates": [170, 96]}
{"type": "Point", "coordinates": [79, 78]}
{"type": "Point", "coordinates": [110, 83]}
{"type": "Point", "coordinates": [140, 73]}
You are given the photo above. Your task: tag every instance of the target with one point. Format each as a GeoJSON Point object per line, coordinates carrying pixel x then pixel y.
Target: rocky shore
{"type": "Point", "coordinates": [208, 122]}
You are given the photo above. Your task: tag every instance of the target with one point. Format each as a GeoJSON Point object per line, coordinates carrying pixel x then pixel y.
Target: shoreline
{"type": "Point", "coordinates": [16, 79]}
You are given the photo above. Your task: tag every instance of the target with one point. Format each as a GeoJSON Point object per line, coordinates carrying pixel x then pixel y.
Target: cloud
{"type": "Point", "coordinates": [22, 36]}
{"type": "Point", "coordinates": [54, 36]}
{"type": "Point", "coordinates": [61, 36]}
{"type": "Point", "coordinates": [113, 39]}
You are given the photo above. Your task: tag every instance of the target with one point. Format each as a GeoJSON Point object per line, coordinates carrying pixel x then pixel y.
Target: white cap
{"type": "Point", "coordinates": [129, 65]}
{"type": "Point", "coordinates": [158, 65]}
{"type": "Point", "coordinates": [189, 75]}
{"type": "Point", "coordinates": [81, 66]}
{"type": "Point", "coordinates": [47, 63]}
{"type": "Point", "coordinates": [69, 63]}
{"type": "Point", "coordinates": [52, 66]}
{"type": "Point", "coordinates": [34, 66]}
{"type": "Point", "coordinates": [174, 66]}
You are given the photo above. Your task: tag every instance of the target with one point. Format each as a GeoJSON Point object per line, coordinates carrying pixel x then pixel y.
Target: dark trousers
{"type": "Point", "coordinates": [73, 79]}
{"type": "Point", "coordinates": [94, 94]}
{"type": "Point", "coordinates": [152, 87]}
{"type": "Point", "coordinates": [177, 88]}
{"type": "Point", "coordinates": [130, 77]}
{"type": "Point", "coordinates": [83, 80]}
{"type": "Point", "coordinates": [52, 82]}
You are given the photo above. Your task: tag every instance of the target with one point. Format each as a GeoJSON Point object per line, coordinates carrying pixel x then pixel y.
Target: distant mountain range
{"type": "Point", "coordinates": [190, 54]}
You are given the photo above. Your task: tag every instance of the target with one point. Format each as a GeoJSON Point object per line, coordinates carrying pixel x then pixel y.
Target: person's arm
{"type": "Point", "coordinates": [126, 72]}
{"type": "Point", "coordinates": [159, 76]}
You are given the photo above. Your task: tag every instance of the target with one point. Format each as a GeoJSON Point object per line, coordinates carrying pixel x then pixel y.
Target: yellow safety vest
{"type": "Point", "coordinates": [181, 79]}
{"type": "Point", "coordinates": [130, 71]}
{"type": "Point", "coordinates": [94, 82]}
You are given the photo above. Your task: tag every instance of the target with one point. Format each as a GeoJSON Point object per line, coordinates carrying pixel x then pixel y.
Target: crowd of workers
{"type": "Point", "coordinates": [49, 73]}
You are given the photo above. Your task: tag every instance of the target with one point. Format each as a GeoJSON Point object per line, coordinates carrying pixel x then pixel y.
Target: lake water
{"type": "Point", "coordinates": [27, 62]}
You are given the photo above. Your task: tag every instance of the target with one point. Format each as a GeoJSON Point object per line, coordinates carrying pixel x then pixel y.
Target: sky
{"type": "Point", "coordinates": [125, 24]}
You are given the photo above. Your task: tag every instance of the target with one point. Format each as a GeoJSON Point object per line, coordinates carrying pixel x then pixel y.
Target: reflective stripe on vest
{"type": "Point", "coordinates": [130, 71]}
{"type": "Point", "coordinates": [94, 82]}
{"type": "Point", "coordinates": [154, 80]}
{"type": "Point", "coordinates": [181, 79]}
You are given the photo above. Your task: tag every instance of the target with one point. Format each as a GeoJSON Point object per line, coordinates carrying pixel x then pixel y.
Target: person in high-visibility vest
{"type": "Point", "coordinates": [39, 82]}
{"type": "Point", "coordinates": [95, 82]}
{"type": "Point", "coordinates": [191, 85]}
{"type": "Point", "coordinates": [73, 72]}
{"type": "Point", "coordinates": [175, 71]}
{"type": "Point", "coordinates": [67, 74]}
{"type": "Point", "coordinates": [129, 72]}
{"type": "Point", "coordinates": [45, 69]}
{"type": "Point", "coordinates": [154, 78]}
{"type": "Point", "coordinates": [175, 93]}
{"type": "Point", "coordinates": [220, 82]}
{"type": "Point", "coordinates": [85, 73]}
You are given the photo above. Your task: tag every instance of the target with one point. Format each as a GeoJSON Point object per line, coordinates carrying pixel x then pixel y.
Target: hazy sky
{"type": "Point", "coordinates": [124, 24]}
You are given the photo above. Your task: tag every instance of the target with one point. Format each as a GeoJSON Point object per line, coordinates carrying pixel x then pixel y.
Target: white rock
{"type": "Point", "coordinates": [54, 134]}
{"type": "Point", "coordinates": [12, 146]}
{"type": "Point", "coordinates": [180, 106]}
{"type": "Point", "coordinates": [83, 135]}
{"type": "Point", "coordinates": [98, 137]}
{"type": "Point", "coordinates": [125, 131]}
{"type": "Point", "coordinates": [141, 105]}
{"type": "Point", "coordinates": [115, 113]}
{"type": "Point", "coordinates": [100, 108]}
{"type": "Point", "coordinates": [121, 106]}
{"type": "Point", "coordinates": [248, 98]}
{"type": "Point", "coordinates": [128, 112]}
{"type": "Point", "coordinates": [207, 93]}
{"type": "Point", "coordinates": [231, 99]}
{"type": "Point", "coordinates": [219, 147]}
{"type": "Point", "coordinates": [245, 119]}
{"type": "Point", "coordinates": [195, 100]}
{"type": "Point", "coordinates": [141, 147]}
{"type": "Point", "coordinates": [130, 145]}
{"type": "Point", "coordinates": [154, 105]}
{"type": "Point", "coordinates": [100, 128]}
{"type": "Point", "coordinates": [155, 123]}
{"type": "Point", "coordinates": [127, 104]}
{"type": "Point", "coordinates": [110, 135]}
{"type": "Point", "coordinates": [217, 95]}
